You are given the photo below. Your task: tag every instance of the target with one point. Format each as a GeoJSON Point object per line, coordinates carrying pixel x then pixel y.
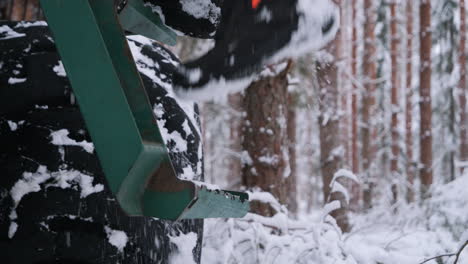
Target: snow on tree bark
{"type": "Point", "coordinates": [265, 137]}
{"type": "Point", "coordinates": [425, 97]}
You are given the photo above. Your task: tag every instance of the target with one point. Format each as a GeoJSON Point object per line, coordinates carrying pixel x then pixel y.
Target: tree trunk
{"type": "Point", "coordinates": [394, 49]}
{"type": "Point", "coordinates": [355, 190]}
{"type": "Point", "coordinates": [462, 86]}
{"type": "Point", "coordinates": [291, 180]}
{"type": "Point", "coordinates": [369, 71]}
{"type": "Point", "coordinates": [4, 10]}
{"type": "Point", "coordinates": [343, 87]}
{"type": "Point", "coordinates": [265, 138]}
{"type": "Point", "coordinates": [24, 10]}
{"type": "Point", "coordinates": [330, 159]}
{"type": "Point", "coordinates": [410, 168]}
{"type": "Point", "coordinates": [235, 134]}
{"type": "Point", "coordinates": [425, 95]}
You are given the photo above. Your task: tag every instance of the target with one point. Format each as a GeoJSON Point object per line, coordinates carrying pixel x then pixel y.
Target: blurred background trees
{"type": "Point", "coordinates": [371, 102]}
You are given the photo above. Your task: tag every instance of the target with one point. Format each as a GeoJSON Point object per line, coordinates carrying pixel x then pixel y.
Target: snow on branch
{"type": "Point", "coordinates": [344, 173]}
{"type": "Point", "coordinates": [338, 187]}
{"type": "Point", "coordinates": [268, 198]}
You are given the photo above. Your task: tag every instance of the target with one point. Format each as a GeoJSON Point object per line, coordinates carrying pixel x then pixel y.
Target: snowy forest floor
{"type": "Point", "coordinates": [403, 234]}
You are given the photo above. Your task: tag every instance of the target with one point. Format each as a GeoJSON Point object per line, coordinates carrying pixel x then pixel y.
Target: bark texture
{"type": "Point", "coordinates": [265, 138]}
{"type": "Point", "coordinates": [235, 134]}
{"type": "Point", "coordinates": [355, 189]}
{"type": "Point", "coordinates": [425, 95]}
{"type": "Point", "coordinates": [410, 168]}
{"type": "Point", "coordinates": [462, 85]}
{"type": "Point", "coordinates": [394, 49]}
{"type": "Point", "coordinates": [17, 10]}
{"type": "Point", "coordinates": [330, 159]}
{"type": "Point", "coordinates": [292, 194]}
{"type": "Point", "coordinates": [369, 72]}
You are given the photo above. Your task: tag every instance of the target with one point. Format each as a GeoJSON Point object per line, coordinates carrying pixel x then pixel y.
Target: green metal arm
{"type": "Point", "coordinates": [120, 119]}
{"type": "Point", "coordinates": [138, 19]}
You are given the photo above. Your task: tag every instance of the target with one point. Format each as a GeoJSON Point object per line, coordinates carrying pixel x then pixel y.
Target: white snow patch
{"type": "Point", "coordinates": [13, 80]}
{"type": "Point", "coordinates": [309, 36]}
{"type": "Point", "coordinates": [13, 126]}
{"type": "Point", "coordinates": [60, 138]}
{"type": "Point", "coordinates": [149, 67]}
{"type": "Point", "coordinates": [157, 10]}
{"type": "Point", "coordinates": [211, 89]}
{"type": "Point", "coordinates": [338, 187]}
{"type": "Point", "coordinates": [194, 75]}
{"type": "Point", "coordinates": [180, 145]}
{"type": "Point", "coordinates": [186, 128]}
{"type": "Point", "coordinates": [26, 24]}
{"type": "Point", "coordinates": [346, 174]}
{"type": "Point", "coordinates": [201, 9]}
{"type": "Point", "coordinates": [59, 69]}
{"type": "Point", "coordinates": [31, 182]}
{"type": "Point", "coordinates": [12, 230]}
{"type": "Point", "coordinates": [9, 33]}
{"type": "Point", "coordinates": [330, 207]}
{"type": "Point", "coordinates": [116, 238]}
{"type": "Point", "coordinates": [41, 106]}
{"type": "Point", "coordinates": [209, 186]}
{"type": "Point", "coordinates": [269, 160]}
{"type": "Point", "coordinates": [185, 244]}
{"type": "Point", "coordinates": [146, 65]}
{"type": "Point", "coordinates": [187, 173]}
{"type": "Point", "coordinates": [267, 198]}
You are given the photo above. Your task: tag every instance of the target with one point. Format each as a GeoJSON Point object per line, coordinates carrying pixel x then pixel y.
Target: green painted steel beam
{"type": "Point", "coordinates": [139, 19]}
{"type": "Point", "coordinates": [120, 119]}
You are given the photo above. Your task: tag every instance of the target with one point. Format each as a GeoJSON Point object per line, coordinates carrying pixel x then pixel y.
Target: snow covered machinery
{"type": "Point", "coordinates": [118, 114]}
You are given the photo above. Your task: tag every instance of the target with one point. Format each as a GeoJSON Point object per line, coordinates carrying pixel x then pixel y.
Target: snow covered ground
{"type": "Point", "coordinates": [406, 234]}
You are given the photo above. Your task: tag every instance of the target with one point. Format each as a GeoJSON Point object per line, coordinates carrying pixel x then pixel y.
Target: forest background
{"type": "Point", "coordinates": [352, 154]}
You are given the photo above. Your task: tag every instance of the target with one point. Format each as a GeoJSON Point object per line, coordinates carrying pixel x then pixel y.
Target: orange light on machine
{"type": "Point", "coordinates": [255, 3]}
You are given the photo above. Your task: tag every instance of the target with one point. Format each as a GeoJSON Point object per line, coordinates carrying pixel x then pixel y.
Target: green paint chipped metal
{"type": "Point", "coordinates": [118, 114]}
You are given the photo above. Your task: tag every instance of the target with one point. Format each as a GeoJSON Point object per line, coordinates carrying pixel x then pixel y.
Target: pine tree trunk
{"type": "Point", "coordinates": [235, 134]}
{"type": "Point", "coordinates": [462, 85]}
{"type": "Point", "coordinates": [354, 110]}
{"type": "Point", "coordinates": [425, 95]}
{"type": "Point", "coordinates": [265, 138]}
{"type": "Point", "coordinates": [343, 88]}
{"type": "Point", "coordinates": [24, 10]}
{"type": "Point", "coordinates": [369, 71]}
{"type": "Point", "coordinates": [394, 49]}
{"type": "Point", "coordinates": [291, 180]}
{"type": "Point", "coordinates": [330, 160]}
{"type": "Point", "coordinates": [410, 169]}
{"type": "Point", "coordinates": [4, 10]}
